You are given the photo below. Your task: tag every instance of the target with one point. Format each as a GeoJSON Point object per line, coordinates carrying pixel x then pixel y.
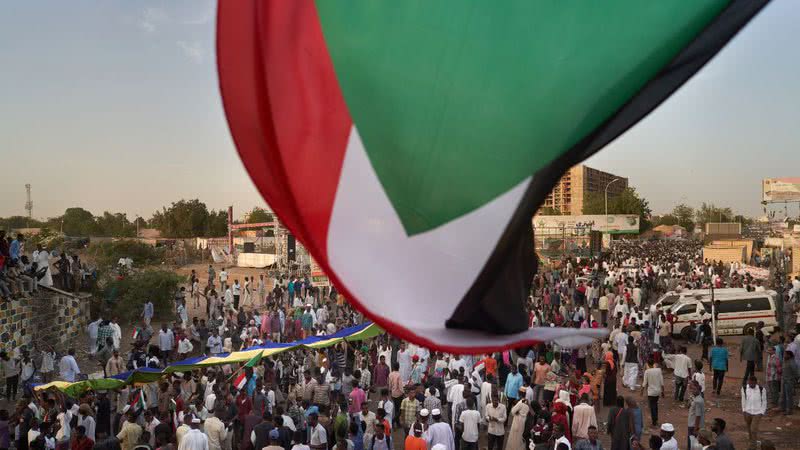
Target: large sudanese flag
{"type": "Point", "coordinates": [408, 143]}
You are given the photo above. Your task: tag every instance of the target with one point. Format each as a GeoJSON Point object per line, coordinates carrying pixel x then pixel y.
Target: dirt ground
{"type": "Point", "coordinates": [775, 426]}
{"type": "Point", "coordinates": [234, 273]}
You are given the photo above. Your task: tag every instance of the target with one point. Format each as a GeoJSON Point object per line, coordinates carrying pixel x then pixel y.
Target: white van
{"type": "Point", "coordinates": [672, 297]}
{"type": "Point", "coordinates": [736, 312]}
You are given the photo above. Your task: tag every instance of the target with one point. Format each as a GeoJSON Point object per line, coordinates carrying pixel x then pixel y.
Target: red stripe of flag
{"type": "Point", "coordinates": [293, 134]}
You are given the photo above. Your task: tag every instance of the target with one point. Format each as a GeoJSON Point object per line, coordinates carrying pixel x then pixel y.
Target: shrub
{"type": "Point", "coordinates": [49, 239]}
{"type": "Point", "coordinates": [124, 295]}
{"type": "Point", "coordinates": [107, 254]}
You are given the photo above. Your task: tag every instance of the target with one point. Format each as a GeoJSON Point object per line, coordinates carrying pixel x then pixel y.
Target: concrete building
{"type": "Point", "coordinates": [568, 194]}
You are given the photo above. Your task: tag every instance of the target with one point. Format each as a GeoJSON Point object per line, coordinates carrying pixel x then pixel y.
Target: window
{"type": "Point", "coordinates": [686, 309]}
{"type": "Point", "coordinates": [669, 299]}
{"type": "Point", "coordinates": [744, 304]}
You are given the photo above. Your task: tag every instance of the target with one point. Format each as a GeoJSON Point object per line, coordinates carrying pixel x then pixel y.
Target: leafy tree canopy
{"type": "Point", "coordinates": [259, 215]}
{"type": "Point", "coordinates": [627, 202]}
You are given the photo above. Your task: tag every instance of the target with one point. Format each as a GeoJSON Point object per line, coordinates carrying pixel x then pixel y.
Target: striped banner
{"type": "Point", "coordinates": [146, 375]}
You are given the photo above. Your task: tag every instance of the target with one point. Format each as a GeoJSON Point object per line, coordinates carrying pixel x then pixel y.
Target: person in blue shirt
{"type": "Point", "coordinates": [251, 383]}
{"type": "Point", "coordinates": [719, 364]}
{"type": "Point", "coordinates": [356, 435]}
{"type": "Point", "coordinates": [16, 247]}
{"type": "Point", "coordinates": [513, 383]}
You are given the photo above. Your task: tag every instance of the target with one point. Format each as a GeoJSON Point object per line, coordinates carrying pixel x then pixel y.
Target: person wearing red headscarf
{"type": "Point", "coordinates": [560, 417]}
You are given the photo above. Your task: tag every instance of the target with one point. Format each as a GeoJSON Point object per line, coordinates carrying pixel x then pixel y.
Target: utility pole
{"type": "Point", "coordinates": [605, 225]}
{"type": "Point", "coordinates": [29, 203]}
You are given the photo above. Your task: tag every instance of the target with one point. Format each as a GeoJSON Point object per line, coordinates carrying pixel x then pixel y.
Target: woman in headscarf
{"type": "Point", "coordinates": [519, 414]}
{"type": "Point", "coordinates": [596, 383]}
{"type": "Point", "coordinates": [623, 429]}
{"type": "Point", "coordinates": [560, 418]}
{"type": "Point", "coordinates": [585, 385]}
{"type": "Point", "coordinates": [610, 380]}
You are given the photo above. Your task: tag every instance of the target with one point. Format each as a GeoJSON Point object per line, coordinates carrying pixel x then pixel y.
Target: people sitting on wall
{"type": "Point", "coordinates": [15, 281]}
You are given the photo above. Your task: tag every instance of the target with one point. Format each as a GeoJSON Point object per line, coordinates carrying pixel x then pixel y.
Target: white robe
{"type": "Point", "coordinates": [93, 327]}
{"type": "Point", "coordinates": [42, 259]}
{"type": "Point", "coordinates": [440, 433]}
{"type": "Point", "coordinates": [630, 375]}
{"type": "Point", "coordinates": [485, 397]}
{"type": "Point", "coordinates": [194, 440]}
{"type": "Point", "coordinates": [404, 359]}
{"type": "Point", "coordinates": [117, 336]}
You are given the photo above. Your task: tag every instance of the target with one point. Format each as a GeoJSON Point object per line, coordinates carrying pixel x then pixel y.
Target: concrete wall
{"type": "Point", "coordinates": [53, 317]}
{"type": "Point", "coordinates": [725, 254]}
{"type": "Point", "coordinates": [736, 243]}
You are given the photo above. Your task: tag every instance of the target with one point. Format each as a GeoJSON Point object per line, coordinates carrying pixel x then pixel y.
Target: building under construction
{"type": "Point", "coordinates": [568, 194]}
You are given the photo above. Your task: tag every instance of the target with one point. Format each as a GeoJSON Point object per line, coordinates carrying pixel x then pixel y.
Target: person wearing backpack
{"type": "Point", "coordinates": [754, 406]}
{"type": "Point", "coordinates": [380, 440]}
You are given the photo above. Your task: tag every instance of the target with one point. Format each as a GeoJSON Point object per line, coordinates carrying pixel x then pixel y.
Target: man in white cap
{"type": "Point", "coordinates": [440, 434]}
{"type": "Point", "coordinates": [194, 439]}
{"type": "Point", "coordinates": [424, 417]}
{"type": "Point", "coordinates": [668, 436]}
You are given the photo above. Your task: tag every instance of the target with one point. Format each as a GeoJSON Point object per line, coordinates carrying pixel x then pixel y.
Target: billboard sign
{"type": "Point", "coordinates": [612, 223]}
{"type": "Point", "coordinates": [318, 277]}
{"type": "Point", "coordinates": [780, 190]}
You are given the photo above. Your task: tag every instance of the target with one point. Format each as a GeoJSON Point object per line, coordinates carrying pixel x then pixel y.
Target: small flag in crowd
{"type": "Point", "coordinates": [136, 333]}
{"type": "Point", "coordinates": [241, 381]}
{"type": "Point", "coordinates": [138, 403]}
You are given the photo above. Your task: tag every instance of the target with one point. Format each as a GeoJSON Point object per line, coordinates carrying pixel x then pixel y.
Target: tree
{"type": "Point", "coordinates": [15, 222]}
{"type": "Point", "coordinates": [685, 216]}
{"type": "Point", "coordinates": [708, 212]}
{"type": "Point", "coordinates": [259, 215]}
{"type": "Point", "coordinates": [183, 219]}
{"type": "Point", "coordinates": [627, 202]}
{"type": "Point", "coordinates": [124, 296]}
{"type": "Point", "coordinates": [107, 254]}
{"type": "Point", "coordinates": [78, 222]}
{"type": "Point", "coordinates": [217, 223]}
{"type": "Point", "coordinates": [116, 224]}
{"type": "Point", "coordinates": [666, 219]}
{"type": "Point", "coordinates": [746, 221]}
{"type": "Point", "coordinates": [140, 222]}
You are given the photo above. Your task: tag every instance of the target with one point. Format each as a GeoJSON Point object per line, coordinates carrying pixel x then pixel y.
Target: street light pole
{"type": "Point", "coordinates": [605, 226]}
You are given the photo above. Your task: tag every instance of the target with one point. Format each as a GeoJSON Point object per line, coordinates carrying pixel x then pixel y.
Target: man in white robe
{"type": "Point", "coordinates": [194, 439]}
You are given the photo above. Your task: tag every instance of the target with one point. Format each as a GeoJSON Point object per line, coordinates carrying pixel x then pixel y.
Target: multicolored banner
{"type": "Point", "coordinates": [146, 375]}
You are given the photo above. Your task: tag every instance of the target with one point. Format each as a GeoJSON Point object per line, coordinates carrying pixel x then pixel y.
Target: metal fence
{"type": "Point", "coordinates": [554, 242]}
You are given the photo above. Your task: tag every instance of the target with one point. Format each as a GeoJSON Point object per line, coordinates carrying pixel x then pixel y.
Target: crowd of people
{"type": "Point", "coordinates": [21, 272]}
{"type": "Point", "coordinates": [366, 395]}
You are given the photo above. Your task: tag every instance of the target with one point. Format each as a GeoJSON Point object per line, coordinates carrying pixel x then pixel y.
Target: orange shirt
{"type": "Point", "coordinates": [490, 364]}
{"type": "Point", "coordinates": [415, 443]}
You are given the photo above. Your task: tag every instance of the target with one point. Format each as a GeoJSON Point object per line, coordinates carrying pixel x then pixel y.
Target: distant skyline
{"type": "Point", "coordinates": [114, 106]}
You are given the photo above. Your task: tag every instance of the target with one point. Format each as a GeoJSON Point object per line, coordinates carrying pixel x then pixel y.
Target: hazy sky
{"type": "Point", "coordinates": [114, 106]}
